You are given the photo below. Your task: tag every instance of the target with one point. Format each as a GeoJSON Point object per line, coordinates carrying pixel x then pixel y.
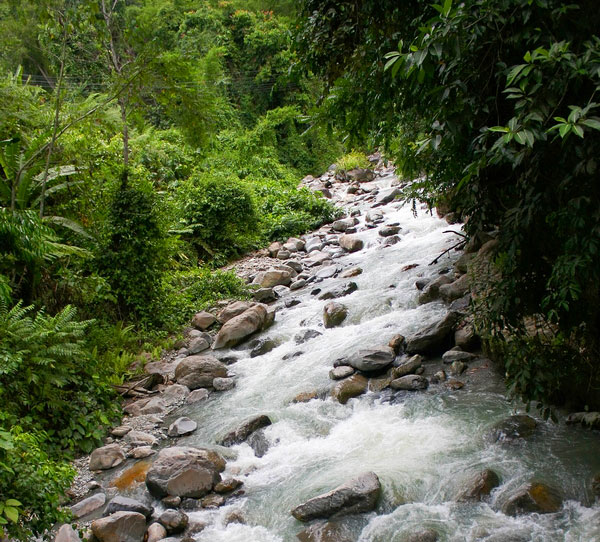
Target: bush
{"type": "Point", "coordinates": [217, 215]}
{"type": "Point", "coordinates": [352, 160]}
{"type": "Point", "coordinates": [48, 379]}
{"type": "Point", "coordinates": [32, 485]}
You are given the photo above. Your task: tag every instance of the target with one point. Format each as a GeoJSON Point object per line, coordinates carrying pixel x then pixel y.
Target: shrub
{"type": "Point", "coordinates": [352, 160]}
{"type": "Point", "coordinates": [49, 380]}
{"type": "Point", "coordinates": [217, 214]}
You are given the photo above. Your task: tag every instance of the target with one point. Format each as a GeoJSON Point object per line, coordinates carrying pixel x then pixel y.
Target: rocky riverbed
{"type": "Point", "coordinates": [348, 401]}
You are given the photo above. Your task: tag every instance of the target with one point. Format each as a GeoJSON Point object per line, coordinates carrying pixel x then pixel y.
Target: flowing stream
{"type": "Point", "coordinates": [422, 445]}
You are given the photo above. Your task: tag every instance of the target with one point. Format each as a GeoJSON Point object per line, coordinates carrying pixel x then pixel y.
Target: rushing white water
{"type": "Point", "coordinates": [421, 445]}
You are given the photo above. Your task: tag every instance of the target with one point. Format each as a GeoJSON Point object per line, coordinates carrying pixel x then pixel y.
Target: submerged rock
{"type": "Point", "coordinates": [174, 521]}
{"type": "Point", "coordinates": [331, 531]}
{"type": "Point", "coordinates": [357, 495]}
{"type": "Point", "coordinates": [410, 383]}
{"type": "Point", "coordinates": [424, 535]}
{"type": "Point", "coordinates": [513, 428]}
{"type": "Point", "coordinates": [434, 338]}
{"type": "Point", "coordinates": [533, 497]}
{"type": "Point", "coordinates": [479, 486]}
{"type": "Point", "coordinates": [334, 314]}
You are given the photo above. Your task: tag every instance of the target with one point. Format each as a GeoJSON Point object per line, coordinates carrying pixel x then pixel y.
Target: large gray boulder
{"type": "Point", "coordinates": [408, 366]}
{"type": "Point", "coordinates": [184, 471]}
{"type": "Point", "coordinates": [88, 505]}
{"type": "Point", "coordinates": [203, 320]}
{"type": "Point", "coordinates": [106, 457]}
{"type": "Point", "coordinates": [120, 527]}
{"type": "Point", "coordinates": [182, 426]}
{"type": "Point", "coordinates": [66, 533]}
{"type": "Point", "coordinates": [455, 290]}
{"type": "Point", "coordinates": [434, 338]}
{"type": "Point", "coordinates": [357, 495]}
{"type": "Point", "coordinates": [199, 371]}
{"type": "Point", "coordinates": [273, 277]}
{"type": "Point", "coordinates": [232, 310]}
{"type": "Point", "coordinates": [241, 433]}
{"type": "Point", "coordinates": [372, 359]}
{"type": "Point", "coordinates": [431, 291]}
{"type": "Point", "coordinates": [479, 486]}
{"type": "Point", "coordinates": [511, 429]}
{"type": "Point", "coordinates": [238, 328]}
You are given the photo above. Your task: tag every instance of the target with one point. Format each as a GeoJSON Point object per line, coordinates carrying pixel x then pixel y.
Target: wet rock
{"type": "Point", "coordinates": [513, 428]}
{"type": "Point", "coordinates": [422, 283]}
{"type": "Point", "coordinates": [596, 485]}
{"type": "Point", "coordinates": [387, 195]}
{"type": "Point", "coordinates": [372, 359]}
{"type": "Point", "coordinates": [172, 501]}
{"type": "Point", "coordinates": [334, 314]}
{"type": "Point", "coordinates": [124, 504]}
{"type": "Point", "coordinates": [374, 217]}
{"type": "Point", "coordinates": [341, 291]}
{"type": "Point", "coordinates": [533, 498]}
{"type": "Point", "coordinates": [289, 303]}
{"type": "Point", "coordinates": [407, 367]}
{"type": "Point", "coordinates": [338, 373]}
{"type": "Point", "coordinates": [301, 283]}
{"type": "Point", "coordinates": [238, 328]}
{"type": "Point", "coordinates": [423, 535]}
{"type": "Point", "coordinates": [223, 384]}
{"type": "Point", "coordinates": [357, 495]}
{"type": "Point", "coordinates": [66, 533]}
{"type": "Point", "coordinates": [106, 457]}
{"type": "Point", "coordinates": [228, 485]}
{"type": "Point", "coordinates": [431, 291]}
{"type": "Point", "coordinates": [351, 387]}
{"type": "Point", "coordinates": [203, 320]}
{"type": "Point", "coordinates": [438, 377]}
{"type": "Point", "coordinates": [120, 527]}
{"type": "Point", "coordinates": [397, 343]}
{"type": "Point", "coordinates": [392, 240]}
{"type": "Point", "coordinates": [457, 354]}
{"type": "Point", "coordinates": [184, 472]}
{"type": "Point", "coordinates": [262, 346]}
{"type": "Point", "coordinates": [352, 272]}
{"type": "Point", "coordinates": [213, 501]}
{"type": "Point", "coordinates": [479, 486]}
{"type": "Point", "coordinates": [305, 397]}
{"type": "Point", "coordinates": [156, 532]}
{"type": "Point", "coordinates": [201, 394]}
{"type": "Point", "coordinates": [245, 430]}
{"type": "Point", "coordinates": [351, 243]}
{"type": "Point", "coordinates": [462, 264]}
{"type": "Point", "coordinates": [331, 531]}
{"type": "Point", "coordinates": [586, 419]}
{"type": "Point", "coordinates": [258, 442]}
{"type": "Point", "coordinates": [433, 338]}
{"type": "Point", "coordinates": [410, 383]}
{"type": "Point", "coordinates": [454, 384]}
{"type": "Point", "coordinates": [328, 272]}
{"type": "Point", "coordinates": [303, 336]}
{"type": "Point", "coordinates": [457, 368]}
{"type": "Point", "coordinates": [174, 521]}
{"type": "Point", "coordinates": [87, 506]}
{"type": "Point", "coordinates": [388, 231]}
{"type": "Point", "coordinates": [199, 371]}
{"type": "Point", "coordinates": [182, 426]}
{"type": "Point", "coordinates": [140, 438]}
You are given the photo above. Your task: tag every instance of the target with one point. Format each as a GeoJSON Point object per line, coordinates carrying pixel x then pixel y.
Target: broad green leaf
{"type": "Point", "coordinates": [498, 129]}
{"type": "Point", "coordinates": [564, 130]}
{"type": "Point", "coordinates": [13, 502]}
{"type": "Point", "coordinates": [591, 123]}
{"type": "Point", "coordinates": [447, 7]}
{"type": "Point", "coordinates": [11, 513]}
{"type": "Point", "coordinates": [578, 130]}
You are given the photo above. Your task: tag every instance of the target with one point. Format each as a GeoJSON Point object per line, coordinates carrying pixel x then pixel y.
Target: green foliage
{"type": "Point", "coordinates": [135, 254]}
{"type": "Point", "coordinates": [39, 482]}
{"type": "Point", "coordinates": [190, 291]}
{"type": "Point", "coordinates": [217, 214]}
{"type": "Point", "coordinates": [48, 379]}
{"type": "Point", "coordinates": [352, 160]}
